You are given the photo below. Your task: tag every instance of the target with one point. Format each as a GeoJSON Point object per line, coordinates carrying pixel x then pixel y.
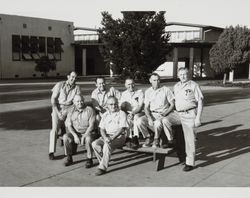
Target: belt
{"type": "Point", "coordinates": [187, 109]}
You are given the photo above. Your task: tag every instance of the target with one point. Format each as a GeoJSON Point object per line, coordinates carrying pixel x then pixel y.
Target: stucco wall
{"type": "Point", "coordinates": [13, 25]}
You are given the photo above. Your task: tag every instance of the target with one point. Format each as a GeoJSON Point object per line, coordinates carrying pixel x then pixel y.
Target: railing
{"type": "Point", "coordinates": [181, 36]}
{"type": "Point", "coordinates": [86, 38]}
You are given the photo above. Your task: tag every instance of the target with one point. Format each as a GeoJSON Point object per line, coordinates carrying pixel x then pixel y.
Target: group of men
{"type": "Point", "coordinates": [114, 118]}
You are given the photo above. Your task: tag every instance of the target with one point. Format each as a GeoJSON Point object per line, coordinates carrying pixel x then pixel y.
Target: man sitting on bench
{"type": "Point", "coordinates": [81, 126]}
{"type": "Point", "coordinates": [132, 102]}
{"type": "Point", "coordinates": [113, 126]}
{"type": "Point", "coordinates": [159, 104]}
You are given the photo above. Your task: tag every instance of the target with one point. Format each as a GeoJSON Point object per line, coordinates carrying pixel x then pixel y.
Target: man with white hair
{"type": "Point", "coordinates": [189, 105]}
{"type": "Point", "coordinates": [80, 123]}
{"type": "Point", "coordinates": [113, 127]}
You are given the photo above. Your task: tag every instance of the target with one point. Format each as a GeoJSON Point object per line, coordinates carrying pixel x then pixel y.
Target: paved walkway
{"type": "Point", "coordinates": [222, 151]}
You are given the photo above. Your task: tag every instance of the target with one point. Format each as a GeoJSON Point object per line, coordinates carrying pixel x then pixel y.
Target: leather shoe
{"type": "Point", "coordinates": [68, 161]}
{"type": "Point", "coordinates": [188, 168]}
{"type": "Point", "coordinates": [100, 172]}
{"type": "Point", "coordinates": [51, 156]}
{"type": "Point", "coordinates": [89, 163]}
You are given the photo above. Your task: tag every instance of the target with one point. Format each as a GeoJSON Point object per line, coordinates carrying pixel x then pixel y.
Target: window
{"type": "Point", "coordinates": [58, 48]}
{"type": "Point", "coordinates": [16, 47]}
{"type": "Point", "coordinates": [34, 47]}
{"type": "Point", "coordinates": [26, 48]}
{"type": "Point", "coordinates": [41, 49]}
{"type": "Point", "coordinates": [50, 48]}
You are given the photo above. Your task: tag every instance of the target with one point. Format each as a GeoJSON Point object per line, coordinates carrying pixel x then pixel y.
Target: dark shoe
{"type": "Point", "coordinates": [51, 156]}
{"type": "Point", "coordinates": [171, 144]}
{"type": "Point", "coordinates": [188, 168]}
{"type": "Point", "coordinates": [68, 161]}
{"type": "Point", "coordinates": [100, 172]}
{"type": "Point", "coordinates": [89, 163]}
{"type": "Point", "coordinates": [135, 143]}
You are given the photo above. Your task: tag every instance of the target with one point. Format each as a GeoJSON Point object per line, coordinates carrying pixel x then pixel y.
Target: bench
{"type": "Point", "coordinates": [159, 154]}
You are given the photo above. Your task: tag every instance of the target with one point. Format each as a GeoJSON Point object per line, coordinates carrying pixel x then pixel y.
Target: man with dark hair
{"type": "Point", "coordinates": [132, 102]}
{"type": "Point", "coordinates": [100, 95]}
{"type": "Point", "coordinates": [159, 103]}
{"type": "Point", "coordinates": [81, 130]}
{"type": "Point", "coordinates": [113, 126]}
{"type": "Point", "coordinates": [189, 105]}
{"type": "Point", "coordinates": [61, 100]}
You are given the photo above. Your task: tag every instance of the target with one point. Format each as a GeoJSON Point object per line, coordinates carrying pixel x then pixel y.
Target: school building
{"type": "Point", "coordinates": [23, 40]}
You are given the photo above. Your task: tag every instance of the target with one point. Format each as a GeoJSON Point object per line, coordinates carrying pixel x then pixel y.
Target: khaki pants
{"type": "Point", "coordinates": [187, 121]}
{"type": "Point", "coordinates": [56, 125]}
{"type": "Point", "coordinates": [69, 143]}
{"type": "Point", "coordinates": [103, 150]}
{"type": "Point", "coordinates": [134, 125]}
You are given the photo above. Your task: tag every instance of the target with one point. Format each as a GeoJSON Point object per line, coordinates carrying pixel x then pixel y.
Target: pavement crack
{"type": "Point", "coordinates": [215, 171]}
{"type": "Point", "coordinates": [39, 180]}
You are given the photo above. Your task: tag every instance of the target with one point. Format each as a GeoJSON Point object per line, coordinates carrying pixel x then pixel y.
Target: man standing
{"type": "Point", "coordinates": [81, 126]}
{"type": "Point", "coordinates": [100, 95]}
{"type": "Point", "coordinates": [61, 100]}
{"type": "Point", "coordinates": [113, 125]}
{"type": "Point", "coordinates": [159, 102]}
{"type": "Point", "coordinates": [132, 102]}
{"type": "Point", "coordinates": [189, 105]}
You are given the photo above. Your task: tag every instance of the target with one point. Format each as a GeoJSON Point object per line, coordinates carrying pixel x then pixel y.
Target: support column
{"type": "Point", "coordinates": [201, 68]}
{"type": "Point", "coordinates": [191, 62]}
{"type": "Point", "coordinates": [175, 60]}
{"type": "Point", "coordinates": [84, 65]}
{"type": "Point", "coordinates": [249, 71]}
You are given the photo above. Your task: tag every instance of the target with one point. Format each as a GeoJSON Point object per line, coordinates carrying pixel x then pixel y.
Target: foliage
{"type": "Point", "coordinates": [231, 50]}
{"type": "Point", "coordinates": [136, 44]}
{"type": "Point", "coordinates": [44, 65]}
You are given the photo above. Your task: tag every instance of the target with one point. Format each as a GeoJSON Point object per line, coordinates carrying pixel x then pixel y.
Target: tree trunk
{"type": "Point", "coordinates": [231, 76]}
{"type": "Point", "coordinates": [249, 71]}
{"type": "Point", "coordinates": [224, 78]}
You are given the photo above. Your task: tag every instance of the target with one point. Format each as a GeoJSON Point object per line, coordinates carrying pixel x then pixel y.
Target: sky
{"type": "Point", "coordinates": [87, 13]}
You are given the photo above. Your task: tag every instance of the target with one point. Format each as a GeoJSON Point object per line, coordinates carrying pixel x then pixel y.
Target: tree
{"type": "Point", "coordinates": [135, 44]}
{"type": "Point", "coordinates": [231, 50]}
{"type": "Point", "coordinates": [44, 65]}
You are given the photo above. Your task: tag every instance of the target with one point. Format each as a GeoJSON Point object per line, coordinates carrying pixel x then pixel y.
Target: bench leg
{"type": "Point", "coordinates": [160, 161]}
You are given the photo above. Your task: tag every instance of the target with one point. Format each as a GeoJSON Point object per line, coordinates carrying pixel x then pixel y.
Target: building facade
{"type": "Point", "coordinates": [23, 40]}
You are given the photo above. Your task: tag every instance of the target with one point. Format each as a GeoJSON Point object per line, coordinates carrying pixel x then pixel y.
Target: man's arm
{"type": "Point", "coordinates": [169, 109]}
{"type": "Point", "coordinates": [118, 132]}
{"type": "Point", "coordinates": [199, 112]}
{"type": "Point", "coordinates": [91, 123]}
{"type": "Point", "coordinates": [149, 116]}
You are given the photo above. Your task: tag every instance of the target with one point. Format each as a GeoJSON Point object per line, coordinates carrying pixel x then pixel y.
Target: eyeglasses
{"type": "Point", "coordinates": [112, 104]}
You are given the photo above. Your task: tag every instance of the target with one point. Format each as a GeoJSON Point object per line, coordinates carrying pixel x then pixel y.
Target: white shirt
{"type": "Point", "coordinates": [131, 100]}
{"type": "Point", "coordinates": [187, 95]}
{"type": "Point", "coordinates": [111, 122]}
{"type": "Point", "coordinates": [158, 99]}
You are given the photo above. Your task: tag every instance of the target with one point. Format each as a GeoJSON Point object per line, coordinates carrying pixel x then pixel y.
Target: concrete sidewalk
{"type": "Point", "coordinates": [222, 150]}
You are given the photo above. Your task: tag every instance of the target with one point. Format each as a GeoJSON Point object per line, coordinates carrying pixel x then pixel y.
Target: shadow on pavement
{"type": "Point", "coordinates": [222, 143]}
{"type": "Point", "coordinates": [225, 96]}
{"type": "Point", "coordinates": [32, 119]}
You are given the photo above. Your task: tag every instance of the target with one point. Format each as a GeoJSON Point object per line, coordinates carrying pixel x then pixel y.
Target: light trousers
{"type": "Point", "coordinates": [187, 121]}
{"type": "Point", "coordinates": [69, 143]}
{"type": "Point", "coordinates": [56, 125]}
{"type": "Point", "coordinates": [104, 150]}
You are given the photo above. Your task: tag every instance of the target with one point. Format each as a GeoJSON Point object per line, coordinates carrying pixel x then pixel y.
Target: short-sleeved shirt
{"type": "Point", "coordinates": [79, 119]}
{"type": "Point", "coordinates": [132, 100]}
{"type": "Point", "coordinates": [64, 92]}
{"type": "Point", "coordinates": [158, 99]}
{"type": "Point", "coordinates": [100, 97]}
{"type": "Point", "coordinates": [187, 95]}
{"type": "Point", "coordinates": [111, 122]}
